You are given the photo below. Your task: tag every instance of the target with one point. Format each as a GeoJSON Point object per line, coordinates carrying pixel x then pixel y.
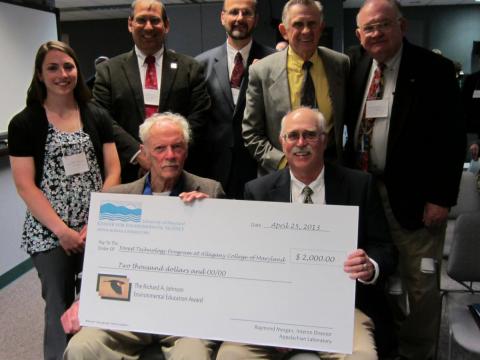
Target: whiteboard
{"type": "Point", "coordinates": [22, 31]}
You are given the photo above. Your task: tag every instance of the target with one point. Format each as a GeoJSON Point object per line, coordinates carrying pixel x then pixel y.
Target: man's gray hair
{"type": "Point", "coordinates": [163, 118]}
{"type": "Point", "coordinates": [290, 3]}
{"type": "Point", "coordinates": [318, 117]}
{"type": "Point", "coordinates": [393, 3]}
{"type": "Point", "coordinates": [159, 2]}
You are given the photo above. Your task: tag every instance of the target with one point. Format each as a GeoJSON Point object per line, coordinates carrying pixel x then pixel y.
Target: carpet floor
{"type": "Point", "coordinates": [21, 317]}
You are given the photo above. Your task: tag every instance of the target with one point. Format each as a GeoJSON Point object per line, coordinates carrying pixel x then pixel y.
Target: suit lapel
{"type": "Point", "coordinates": [280, 191]}
{"type": "Point", "coordinates": [243, 87]}
{"type": "Point", "coordinates": [336, 92]}
{"type": "Point", "coordinates": [138, 186]}
{"type": "Point", "coordinates": [336, 193]}
{"type": "Point", "coordinates": [169, 70]}
{"type": "Point", "coordinates": [361, 77]}
{"type": "Point", "coordinates": [189, 184]}
{"type": "Point", "coordinates": [220, 69]}
{"type": "Point", "coordinates": [132, 73]}
{"type": "Point", "coordinates": [279, 90]}
{"type": "Point", "coordinates": [332, 72]}
{"type": "Point", "coordinates": [405, 90]}
{"type": "Point", "coordinates": [358, 83]}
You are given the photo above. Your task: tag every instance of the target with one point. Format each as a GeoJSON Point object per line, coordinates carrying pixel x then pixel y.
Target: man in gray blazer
{"type": "Point", "coordinates": [165, 140]}
{"type": "Point", "coordinates": [230, 162]}
{"type": "Point", "coordinates": [277, 84]}
{"type": "Point", "coordinates": [175, 83]}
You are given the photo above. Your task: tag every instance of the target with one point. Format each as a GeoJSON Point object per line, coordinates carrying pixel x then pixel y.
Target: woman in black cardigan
{"type": "Point", "coordinates": [61, 148]}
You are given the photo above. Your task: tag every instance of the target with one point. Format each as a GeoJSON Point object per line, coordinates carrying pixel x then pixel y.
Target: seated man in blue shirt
{"type": "Point", "coordinates": [165, 139]}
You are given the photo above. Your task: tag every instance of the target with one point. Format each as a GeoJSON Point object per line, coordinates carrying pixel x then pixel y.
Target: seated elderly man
{"type": "Point", "coordinates": [309, 180]}
{"type": "Point", "coordinates": [165, 140]}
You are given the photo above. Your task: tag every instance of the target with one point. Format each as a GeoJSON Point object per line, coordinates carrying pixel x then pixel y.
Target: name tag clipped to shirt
{"type": "Point", "coordinates": [376, 108]}
{"type": "Point", "coordinates": [235, 93]}
{"type": "Point", "coordinates": [476, 94]}
{"type": "Point", "coordinates": [75, 164]}
{"type": "Point", "coordinates": [151, 97]}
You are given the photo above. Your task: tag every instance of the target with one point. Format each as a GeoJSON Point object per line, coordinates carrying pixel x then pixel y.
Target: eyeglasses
{"type": "Point", "coordinates": [246, 13]}
{"type": "Point", "coordinates": [142, 20]}
{"type": "Point", "coordinates": [380, 26]}
{"type": "Point", "coordinates": [307, 135]}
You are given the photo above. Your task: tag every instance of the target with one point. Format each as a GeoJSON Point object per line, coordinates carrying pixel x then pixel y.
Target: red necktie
{"type": "Point", "coordinates": [375, 92]}
{"type": "Point", "coordinates": [150, 83]}
{"type": "Point", "coordinates": [237, 73]}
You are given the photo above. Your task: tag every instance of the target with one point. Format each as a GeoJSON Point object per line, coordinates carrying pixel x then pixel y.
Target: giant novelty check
{"type": "Point", "coordinates": [253, 272]}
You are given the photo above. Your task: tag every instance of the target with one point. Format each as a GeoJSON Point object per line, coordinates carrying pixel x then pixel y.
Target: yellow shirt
{"type": "Point", "coordinates": [322, 90]}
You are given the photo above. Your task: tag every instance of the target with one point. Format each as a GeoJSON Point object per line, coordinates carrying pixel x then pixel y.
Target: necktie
{"type": "Point", "coordinates": [237, 73]}
{"type": "Point", "coordinates": [150, 83]}
{"type": "Point", "coordinates": [307, 195]}
{"type": "Point", "coordinates": [308, 89]}
{"type": "Point", "coordinates": [375, 92]}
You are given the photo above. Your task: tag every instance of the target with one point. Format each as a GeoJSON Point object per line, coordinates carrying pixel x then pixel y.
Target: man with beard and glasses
{"type": "Point", "coordinates": [303, 140]}
{"type": "Point", "coordinates": [303, 75]}
{"type": "Point", "coordinates": [151, 79]}
{"type": "Point", "coordinates": [226, 71]}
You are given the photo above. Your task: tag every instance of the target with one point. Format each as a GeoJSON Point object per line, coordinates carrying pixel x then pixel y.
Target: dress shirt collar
{"type": "Point", "coordinates": [393, 63]}
{"type": "Point", "coordinates": [141, 56]}
{"type": "Point", "coordinates": [317, 185]}
{"type": "Point", "coordinates": [296, 62]}
{"type": "Point", "coordinates": [231, 52]}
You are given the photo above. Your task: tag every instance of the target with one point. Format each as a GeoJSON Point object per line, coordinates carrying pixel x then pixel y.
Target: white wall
{"type": "Point", "coordinates": [22, 31]}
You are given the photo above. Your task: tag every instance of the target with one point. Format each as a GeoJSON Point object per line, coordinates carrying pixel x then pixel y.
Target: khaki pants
{"type": "Point", "coordinates": [415, 288]}
{"type": "Point", "coordinates": [363, 347]}
{"type": "Point", "coordinates": [98, 344]}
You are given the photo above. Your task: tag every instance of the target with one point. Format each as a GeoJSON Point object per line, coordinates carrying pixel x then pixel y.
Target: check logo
{"type": "Point", "coordinates": [116, 286]}
{"type": "Point", "coordinates": [113, 287]}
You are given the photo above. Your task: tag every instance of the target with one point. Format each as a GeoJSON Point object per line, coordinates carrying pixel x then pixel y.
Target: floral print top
{"type": "Point", "coordinates": [69, 195]}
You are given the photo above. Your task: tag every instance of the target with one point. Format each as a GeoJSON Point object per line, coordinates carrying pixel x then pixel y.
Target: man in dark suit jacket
{"type": "Point", "coordinates": [230, 162]}
{"type": "Point", "coordinates": [415, 145]}
{"type": "Point", "coordinates": [275, 86]}
{"type": "Point", "coordinates": [166, 177]}
{"type": "Point", "coordinates": [303, 142]}
{"type": "Point", "coordinates": [120, 87]}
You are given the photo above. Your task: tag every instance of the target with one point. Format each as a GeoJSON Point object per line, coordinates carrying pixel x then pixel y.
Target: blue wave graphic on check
{"type": "Point", "coordinates": [109, 211]}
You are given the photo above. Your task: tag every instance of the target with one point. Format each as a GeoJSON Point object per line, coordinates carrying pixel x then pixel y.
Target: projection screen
{"type": "Point", "coordinates": [22, 31]}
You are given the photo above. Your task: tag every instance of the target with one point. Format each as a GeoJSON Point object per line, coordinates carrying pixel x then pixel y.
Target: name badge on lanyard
{"type": "Point", "coordinates": [151, 97]}
{"type": "Point", "coordinates": [75, 164]}
{"type": "Point", "coordinates": [376, 108]}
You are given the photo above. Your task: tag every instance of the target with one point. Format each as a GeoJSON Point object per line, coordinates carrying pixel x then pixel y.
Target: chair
{"type": "Point", "coordinates": [464, 267]}
{"type": "Point", "coordinates": [468, 201]}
